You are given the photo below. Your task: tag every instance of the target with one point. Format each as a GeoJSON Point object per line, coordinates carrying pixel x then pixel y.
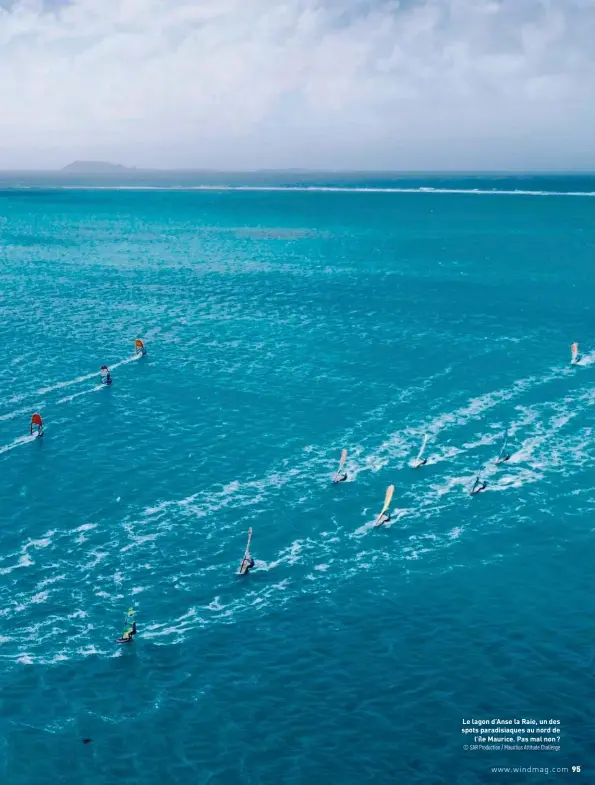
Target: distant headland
{"type": "Point", "coordinates": [105, 167]}
{"type": "Point", "coordinates": [95, 167]}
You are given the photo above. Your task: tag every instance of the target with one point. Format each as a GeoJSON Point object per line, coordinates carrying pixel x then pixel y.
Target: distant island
{"type": "Point", "coordinates": [104, 167]}
{"type": "Point", "coordinates": [95, 167]}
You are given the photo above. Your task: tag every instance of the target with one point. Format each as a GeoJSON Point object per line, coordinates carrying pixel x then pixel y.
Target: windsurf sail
{"type": "Point", "coordinates": [477, 482]}
{"type": "Point", "coordinates": [503, 448]}
{"type": "Point", "coordinates": [422, 448]}
{"type": "Point", "coordinates": [36, 422]}
{"type": "Point", "coordinates": [387, 500]}
{"type": "Point", "coordinates": [341, 464]}
{"type": "Point", "coordinates": [128, 630]}
{"type": "Point", "coordinates": [246, 558]}
{"type": "Point", "coordinates": [105, 375]}
{"type": "Point", "coordinates": [139, 347]}
{"type": "Point", "coordinates": [574, 353]}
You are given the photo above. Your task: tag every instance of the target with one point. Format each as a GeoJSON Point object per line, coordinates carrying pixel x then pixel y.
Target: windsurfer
{"type": "Point", "coordinates": [247, 564]}
{"type": "Point", "coordinates": [418, 461]}
{"type": "Point", "coordinates": [576, 358]}
{"type": "Point", "coordinates": [128, 634]}
{"type": "Point", "coordinates": [247, 561]}
{"type": "Point", "coordinates": [479, 485]}
{"type": "Point", "coordinates": [36, 423]}
{"type": "Point", "coordinates": [129, 629]}
{"type": "Point", "coordinates": [340, 475]}
{"type": "Point", "coordinates": [384, 515]}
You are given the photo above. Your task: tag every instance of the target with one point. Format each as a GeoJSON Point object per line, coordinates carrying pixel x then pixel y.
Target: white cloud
{"type": "Point", "coordinates": [336, 83]}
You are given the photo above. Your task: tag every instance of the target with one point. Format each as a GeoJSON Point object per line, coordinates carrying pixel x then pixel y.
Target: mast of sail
{"type": "Point", "coordinates": [423, 447]}
{"type": "Point", "coordinates": [246, 558]}
{"type": "Point", "coordinates": [504, 443]}
{"type": "Point", "coordinates": [341, 465]}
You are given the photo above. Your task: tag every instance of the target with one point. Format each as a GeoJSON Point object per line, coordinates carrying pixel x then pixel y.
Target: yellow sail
{"type": "Point", "coordinates": [387, 500]}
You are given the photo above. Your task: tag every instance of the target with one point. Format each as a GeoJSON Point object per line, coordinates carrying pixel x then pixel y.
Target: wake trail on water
{"type": "Point", "coordinates": [62, 385]}
{"type": "Point", "coordinates": [19, 412]}
{"type": "Point", "coordinates": [59, 386]}
{"type": "Point", "coordinates": [540, 442]}
{"type": "Point", "coordinates": [311, 473]}
{"type": "Point", "coordinates": [18, 442]}
{"type": "Point", "coordinates": [68, 398]}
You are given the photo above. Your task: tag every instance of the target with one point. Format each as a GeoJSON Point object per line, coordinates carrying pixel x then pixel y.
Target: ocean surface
{"type": "Point", "coordinates": [287, 317]}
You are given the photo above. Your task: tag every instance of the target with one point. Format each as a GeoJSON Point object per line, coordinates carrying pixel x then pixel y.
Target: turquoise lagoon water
{"type": "Point", "coordinates": [284, 322]}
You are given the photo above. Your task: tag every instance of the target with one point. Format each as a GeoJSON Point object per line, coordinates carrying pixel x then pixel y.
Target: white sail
{"type": "Point", "coordinates": [504, 443]}
{"type": "Point", "coordinates": [341, 465]}
{"type": "Point", "coordinates": [422, 448]}
{"type": "Point", "coordinates": [246, 558]}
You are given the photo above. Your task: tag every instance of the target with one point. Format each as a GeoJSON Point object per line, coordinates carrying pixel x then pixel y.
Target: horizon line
{"type": "Point", "coordinates": [298, 170]}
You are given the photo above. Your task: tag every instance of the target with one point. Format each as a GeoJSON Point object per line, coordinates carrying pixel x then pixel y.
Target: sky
{"type": "Point", "coordinates": [324, 84]}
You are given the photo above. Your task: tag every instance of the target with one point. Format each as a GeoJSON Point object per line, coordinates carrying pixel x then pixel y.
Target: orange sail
{"type": "Point", "coordinates": [139, 347]}
{"type": "Point", "coordinates": [36, 422]}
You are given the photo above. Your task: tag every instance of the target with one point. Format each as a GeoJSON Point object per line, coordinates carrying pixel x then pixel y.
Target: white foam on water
{"type": "Point", "coordinates": [427, 190]}
{"type": "Point", "coordinates": [43, 542]}
{"type": "Point", "coordinates": [59, 657]}
{"type": "Point", "coordinates": [68, 383]}
{"type": "Point", "coordinates": [365, 528]}
{"type": "Point", "coordinates": [586, 360]}
{"type": "Point", "coordinates": [85, 527]}
{"type": "Point", "coordinates": [18, 412]}
{"type": "Point", "coordinates": [49, 389]}
{"type": "Point", "coordinates": [18, 442]}
{"type": "Point", "coordinates": [290, 555]}
{"type": "Point", "coordinates": [72, 397]}
{"type": "Point", "coordinates": [546, 447]}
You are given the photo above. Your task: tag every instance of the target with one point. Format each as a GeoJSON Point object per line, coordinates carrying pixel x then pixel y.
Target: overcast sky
{"type": "Point", "coordinates": [353, 84]}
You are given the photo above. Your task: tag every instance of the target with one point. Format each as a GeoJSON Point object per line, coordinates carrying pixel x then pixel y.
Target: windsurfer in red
{"type": "Point", "coordinates": [36, 423]}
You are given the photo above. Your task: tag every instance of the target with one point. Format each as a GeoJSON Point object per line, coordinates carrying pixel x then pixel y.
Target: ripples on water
{"type": "Point", "coordinates": [281, 328]}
